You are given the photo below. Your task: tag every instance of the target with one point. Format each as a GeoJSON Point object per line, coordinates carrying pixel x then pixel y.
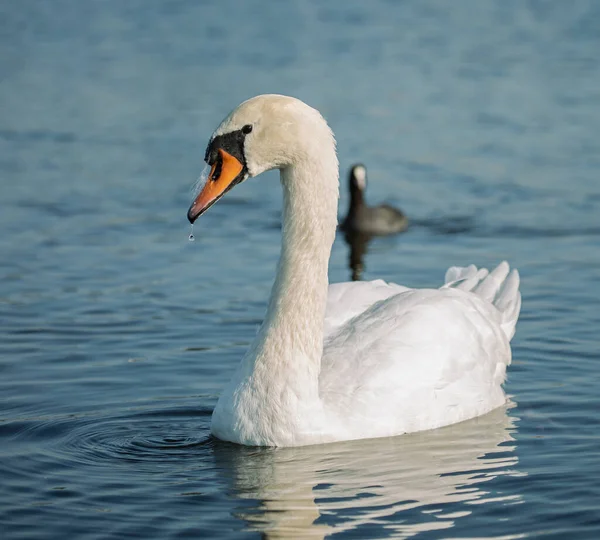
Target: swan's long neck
{"type": "Point", "coordinates": [289, 346]}
{"type": "Point", "coordinates": [273, 397]}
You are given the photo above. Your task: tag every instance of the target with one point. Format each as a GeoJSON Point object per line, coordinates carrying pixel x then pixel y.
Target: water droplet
{"type": "Point", "coordinates": [191, 237]}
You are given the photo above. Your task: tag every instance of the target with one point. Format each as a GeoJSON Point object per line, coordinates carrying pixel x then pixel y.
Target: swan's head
{"type": "Point", "coordinates": [358, 177]}
{"type": "Point", "coordinates": [263, 133]}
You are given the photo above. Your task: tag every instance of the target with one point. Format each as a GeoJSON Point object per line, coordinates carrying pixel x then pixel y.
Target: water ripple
{"type": "Point", "coordinates": [151, 437]}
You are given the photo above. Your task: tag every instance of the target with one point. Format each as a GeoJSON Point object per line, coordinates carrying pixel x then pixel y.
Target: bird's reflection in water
{"type": "Point", "coordinates": [358, 243]}
{"type": "Point", "coordinates": [402, 485]}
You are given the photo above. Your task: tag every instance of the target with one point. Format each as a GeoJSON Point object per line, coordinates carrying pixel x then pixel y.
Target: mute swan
{"type": "Point", "coordinates": [350, 360]}
{"type": "Point", "coordinates": [376, 220]}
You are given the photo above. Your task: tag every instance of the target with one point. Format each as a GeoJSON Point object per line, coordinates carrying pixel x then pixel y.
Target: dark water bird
{"type": "Point", "coordinates": [374, 220]}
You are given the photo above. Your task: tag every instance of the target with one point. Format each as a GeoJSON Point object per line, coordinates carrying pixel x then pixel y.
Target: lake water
{"type": "Point", "coordinates": [480, 119]}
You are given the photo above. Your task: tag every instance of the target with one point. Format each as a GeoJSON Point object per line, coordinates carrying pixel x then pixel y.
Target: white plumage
{"type": "Point", "coordinates": [354, 360]}
{"type": "Point", "coordinates": [439, 356]}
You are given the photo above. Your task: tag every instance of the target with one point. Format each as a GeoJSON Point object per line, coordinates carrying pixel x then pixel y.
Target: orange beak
{"type": "Point", "coordinates": [223, 175]}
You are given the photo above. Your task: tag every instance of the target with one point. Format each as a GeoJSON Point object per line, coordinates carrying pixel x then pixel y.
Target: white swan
{"type": "Point", "coordinates": [350, 360]}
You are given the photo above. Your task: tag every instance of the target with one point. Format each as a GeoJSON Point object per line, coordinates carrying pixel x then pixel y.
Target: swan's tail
{"type": "Point", "coordinates": [500, 287]}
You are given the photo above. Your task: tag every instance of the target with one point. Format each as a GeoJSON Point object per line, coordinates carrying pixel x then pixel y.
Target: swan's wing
{"type": "Point", "coordinates": [424, 358]}
{"type": "Point", "coordinates": [499, 287]}
{"type": "Point", "coordinates": [349, 299]}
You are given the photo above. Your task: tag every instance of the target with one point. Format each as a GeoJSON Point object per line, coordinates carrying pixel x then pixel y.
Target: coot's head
{"type": "Point", "coordinates": [358, 177]}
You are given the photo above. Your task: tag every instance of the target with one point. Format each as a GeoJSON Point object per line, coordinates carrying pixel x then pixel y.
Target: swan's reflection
{"type": "Point", "coordinates": [358, 244]}
{"type": "Point", "coordinates": [405, 484]}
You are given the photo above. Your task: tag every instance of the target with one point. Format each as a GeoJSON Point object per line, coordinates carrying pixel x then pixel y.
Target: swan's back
{"type": "Point", "coordinates": [417, 359]}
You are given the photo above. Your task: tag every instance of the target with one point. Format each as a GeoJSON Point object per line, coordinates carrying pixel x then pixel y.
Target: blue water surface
{"type": "Point", "coordinates": [479, 118]}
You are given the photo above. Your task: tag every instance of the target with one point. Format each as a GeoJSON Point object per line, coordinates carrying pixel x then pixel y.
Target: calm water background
{"type": "Point", "coordinates": [479, 118]}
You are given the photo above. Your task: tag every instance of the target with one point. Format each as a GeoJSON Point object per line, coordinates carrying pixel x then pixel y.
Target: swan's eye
{"type": "Point", "coordinates": [247, 129]}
